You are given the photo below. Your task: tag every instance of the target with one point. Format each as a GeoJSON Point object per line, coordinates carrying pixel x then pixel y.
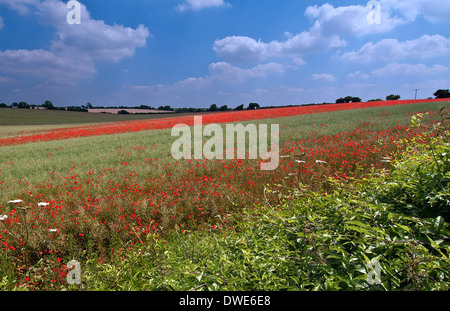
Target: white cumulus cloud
{"type": "Point", "coordinates": [329, 27]}
{"type": "Point", "coordinates": [76, 49]}
{"type": "Point", "coordinates": [387, 49]}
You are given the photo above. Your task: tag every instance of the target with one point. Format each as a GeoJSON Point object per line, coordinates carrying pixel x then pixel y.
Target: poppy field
{"type": "Point", "coordinates": [100, 193]}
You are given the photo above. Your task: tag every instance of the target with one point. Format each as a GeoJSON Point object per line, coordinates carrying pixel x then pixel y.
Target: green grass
{"type": "Point", "coordinates": [46, 117]}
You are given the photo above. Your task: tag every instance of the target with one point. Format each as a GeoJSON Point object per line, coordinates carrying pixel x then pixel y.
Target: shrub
{"type": "Point", "coordinates": [442, 94]}
{"type": "Point", "coordinates": [393, 97]}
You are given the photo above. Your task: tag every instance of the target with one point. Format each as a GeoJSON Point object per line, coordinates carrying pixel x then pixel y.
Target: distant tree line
{"type": "Point", "coordinates": [441, 93]}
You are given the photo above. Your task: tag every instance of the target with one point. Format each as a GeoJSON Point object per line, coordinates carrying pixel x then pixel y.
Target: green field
{"type": "Point", "coordinates": [119, 175]}
{"type": "Point", "coordinates": [14, 122]}
{"type": "Point", "coordinates": [15, 117]}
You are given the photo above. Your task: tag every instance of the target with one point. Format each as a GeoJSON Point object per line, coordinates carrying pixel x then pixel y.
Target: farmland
{"type": "Point", "coordinates": [113, 198]}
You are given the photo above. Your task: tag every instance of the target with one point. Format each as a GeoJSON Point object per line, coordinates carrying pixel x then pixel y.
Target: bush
{"type": "Point", "coordinates": [253, 106]}
{"type": "Point", "coordinates": [393, 97]}
{"type": "Point", "coordinates": [123, 112]}
{"type": "Point", "coordinates": [442, 94]}
{"type": "Point", "coordinates": [419, 184]}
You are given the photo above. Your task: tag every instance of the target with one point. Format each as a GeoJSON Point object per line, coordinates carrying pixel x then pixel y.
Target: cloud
{"type": "Point", "coordinates": [357, 75]}
{"type": "Point", "coordinates": [92, 39]}
{"type": "Point", "coordinates": [76, 49]}
{"type": "Point", "coordinates": [434, 11]}
{"type": "Point", "coordinates": [325, 77]}
{"type": "Point", "coordinates": [219, 73]}
{"type": "Point", "coordinates": [23, 7]}
{"type": "Point", "coordinates": [350, 20]}
{"type": "Point", "coordinates": [388, 49]}
{"type": "Point", "coordinates": [360, 85]}
{"type": "Point", "coordinates": [43, 64]}
{"type": "Point", "coordinates": [226, 72]}
{"type": "Point", "coordinates": [197, 5]}
{"type": "Point", "coordinates": [241, 49]}
{"type": "Point", "coordinates": [299, 61]}
{"type": "Point", "coordinates": [330, 25]}
{"type": "Point", "coordinates": [409, 69]}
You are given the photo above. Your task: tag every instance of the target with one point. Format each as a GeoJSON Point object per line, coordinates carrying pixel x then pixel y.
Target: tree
{"type": "Point", "coordinates": [23, 105]}
{"type": "Point", "coordinates": [123, 112]}
{"type": "Point", "coordinates": [393, 97]}
{"type": "Point", "coordinates": [89, 106]}
{"type": "Point", "coordinates": [166, 108]}
{"type": "Point", "coordinates": [3, 105]}
{"type": "Point", "coordinates": [348, 99]}
{"type": "Point", "coordinates": [240, 107]}
{"type": "Point", "coordinates": [223, 108]}
{"type": "Point", "coordinates": [49, 105]}
{"type": "Point", "coordinates": [442, 94]}
{"type": "Point", "coordinates": [213, 108]}
{"type": "Point", "coordinates": [356, 100]}
{"type": "Point", "coordinates": [252, 106]}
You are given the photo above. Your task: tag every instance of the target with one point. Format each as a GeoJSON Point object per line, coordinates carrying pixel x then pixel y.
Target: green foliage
{"type": "Point", "coordinates": [253, 106]}
{"type": "Point", "coordinates": [23, 105]}
{"type": "Point", "coordinates": [240, 107]}
{"type": "Point", "coordinates": [213, 107]}
{"type": "Point", "coordinates": [442, 94]}
{"type": "Point", "coordinates": [393, 97]}
{"type": "Point", "coordinates": [420, 181]}
{"type": "Point", "coordinates": [49, 105]}
{"type": "Point", "coordinates": [348, 99]}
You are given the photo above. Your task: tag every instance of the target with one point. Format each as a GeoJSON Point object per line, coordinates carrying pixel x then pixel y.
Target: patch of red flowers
{"type": "Point", "coordinates": [224, 117]}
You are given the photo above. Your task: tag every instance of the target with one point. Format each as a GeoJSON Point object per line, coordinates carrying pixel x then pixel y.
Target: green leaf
{"type": "Point", "coordinates": [436, 247]}
{"type": "Point", "coordinates": [438, 223]}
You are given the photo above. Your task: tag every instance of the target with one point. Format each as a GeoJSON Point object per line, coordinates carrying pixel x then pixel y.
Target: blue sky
{"type": "Point", "coordinates": [194, 53]}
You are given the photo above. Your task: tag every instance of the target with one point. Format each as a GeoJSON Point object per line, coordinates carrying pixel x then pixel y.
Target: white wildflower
{"type": "Point", "coordinates": [15, 201]}
{"type": "Point", "coordinates": [52, 230]}
{"type": "Point", "coordinates": [43, 204]}
{"type": "Point", "coordinates": [3, 217]}
{"type": "Point", "coordinates": [320, 161]}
